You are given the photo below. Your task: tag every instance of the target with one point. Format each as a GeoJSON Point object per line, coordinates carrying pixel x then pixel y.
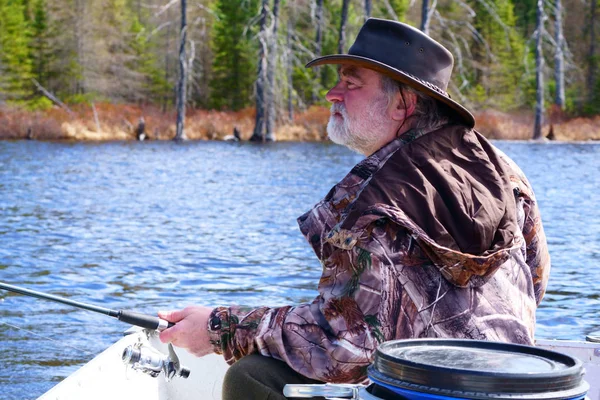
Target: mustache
{"type": "Point", "coordinates": [338, 108]}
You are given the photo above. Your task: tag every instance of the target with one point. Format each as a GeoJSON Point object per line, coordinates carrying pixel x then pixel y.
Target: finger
{"type": "Point", "coordinates": [173, 315]}
{"type": "Point", "coordinates": [170, 334]}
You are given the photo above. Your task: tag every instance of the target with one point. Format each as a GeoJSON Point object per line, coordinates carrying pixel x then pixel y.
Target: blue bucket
{"type": "Point", "coordinates": [451, 369]}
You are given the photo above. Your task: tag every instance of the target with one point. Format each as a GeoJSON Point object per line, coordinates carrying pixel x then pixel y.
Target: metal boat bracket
{"type": "Point", "coordinates": [330, 391]}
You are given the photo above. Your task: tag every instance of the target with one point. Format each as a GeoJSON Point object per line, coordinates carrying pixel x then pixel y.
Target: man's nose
{"type": "Point", "coordinates": [335, 94]}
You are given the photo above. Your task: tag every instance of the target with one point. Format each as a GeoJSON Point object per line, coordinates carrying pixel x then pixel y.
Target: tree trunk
{"type": "Point", "coordinates": [592, 62]}
{"type": "Point", "coordinates": [259, 122]}
{"type": "Point", "coordinates": [559, 60]}
{"type": "Point", "coordinates": [271, 64]}
{"type": "Point", "coordinates": [79, 12]}
{"type": "Point", "coordinates": [318, 46]}
{"type": "Point", "coordinates": [368, 8]}
{"type": "Point", "coordinates": [343, 21]}
{"type": "Point", "coordinates": [181, 86]}
{"type": "Point", "coordinates": [539, 73]}
{"type": "Point", "coordinates": [289, 70]}
{"type": "Point", "coordinates": [425, 17]}
{"type": "Point", "coordinates": [167, 52]}
{"type": "Point", "coordinates": [190, 74]}
{"type": "Point", "coordinates": [319, 23]}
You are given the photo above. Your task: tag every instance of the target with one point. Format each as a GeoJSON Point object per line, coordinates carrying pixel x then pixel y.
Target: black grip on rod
{"type": "Point", "coordinates": [141, 320]}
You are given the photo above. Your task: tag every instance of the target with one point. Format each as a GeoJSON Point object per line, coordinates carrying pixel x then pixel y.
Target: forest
{"type": "Point", "coordinates": [101, 69]}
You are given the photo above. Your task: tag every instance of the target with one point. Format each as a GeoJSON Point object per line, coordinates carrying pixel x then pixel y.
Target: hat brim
{"type": "Point", "coordinates": [398, 75]}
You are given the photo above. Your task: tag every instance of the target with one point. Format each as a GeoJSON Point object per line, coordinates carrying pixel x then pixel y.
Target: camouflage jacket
{"type": "Point", "coordinates": [434, 235]}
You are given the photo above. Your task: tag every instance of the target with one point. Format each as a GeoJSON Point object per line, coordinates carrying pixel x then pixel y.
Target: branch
{"type": "Point", "coordinates": [165, 7]}
{"type": "Point", "coordinates": [96, 118]}
{"type": "Point", "coordinates": [192, 54]}
{"type": "Point", "coordinates": [390, 10]}
{"type": "Point", "coordinates": [159, 28]}
{"type": "Point", "coordinates": [467, 7]}
{"type": "Point", "coordinates": [208, 10]}
{"type": "Point", "coordinates": [298, 44]}
{"type": "Point", "coordinates": [491, 9]}
{"type": "Point", "coordinates": [52, 97]}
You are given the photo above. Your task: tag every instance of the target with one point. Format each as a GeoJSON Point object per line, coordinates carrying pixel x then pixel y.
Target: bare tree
{"type": "Point", "coordinates": [79, 24]}
{"type": "Point", "coordinates": [343, 22]}
{"type": "Point", "coordinates": [54, 98]}
{"type": "Point", "coordinates": [368, 8]}
{"type": "Point", "coordinates": [289, 69]}
{"type": "Point", "coordinates": [390, 9]}
{"type": "Point", "coordinates": [271, 64]}
{"type": "Point", "coordinates": [426, 13]}
{"type": "Point", "coordinates": [592, 62]}
{"type": "Point", "coordinates": [539, 72]}
{"type": "Point", "coordinates": [167, 53]}
{"type": "Point", "coordinates": [559, 59]}
{"type": "Point", "coordinates": [190, 71]}
{"type": "Point", "coordinates": [318, 45]}
{"type": "Point", "coordinates": [259, 122]}
{"type": "Point", "coordinates": [319, 28]}
{"type": "Point", "coordinates": [181, 86]}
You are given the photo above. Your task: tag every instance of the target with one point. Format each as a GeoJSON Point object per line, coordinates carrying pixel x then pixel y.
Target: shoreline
{"type": "Point", "coordinates": [111, 122]}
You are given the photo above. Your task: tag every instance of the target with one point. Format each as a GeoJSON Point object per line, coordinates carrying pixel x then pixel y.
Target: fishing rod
{"type": "Point", "coordinates": [129, 317]}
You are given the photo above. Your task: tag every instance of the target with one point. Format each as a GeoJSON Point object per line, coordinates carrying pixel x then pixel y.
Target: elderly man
{"type": "Point", "coordinates": [435, 233]}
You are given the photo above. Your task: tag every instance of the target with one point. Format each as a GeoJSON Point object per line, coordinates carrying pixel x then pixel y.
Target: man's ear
{"type": "Point", "coordinates": [403, 105]}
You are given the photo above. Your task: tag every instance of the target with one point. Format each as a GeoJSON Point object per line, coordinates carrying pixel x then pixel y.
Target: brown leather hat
{"type": "Point", "coordinates": [405, 54]}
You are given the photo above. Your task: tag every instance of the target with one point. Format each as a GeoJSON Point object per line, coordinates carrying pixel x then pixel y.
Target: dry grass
{"type": "Point", "coordinates": [519, 126]}
{"type": "Point", "coordinates": [16, 124]}
{"type": "Point", "coordinates": [497, 125]}
{"type": "Point", "coordinates": [118, 122]}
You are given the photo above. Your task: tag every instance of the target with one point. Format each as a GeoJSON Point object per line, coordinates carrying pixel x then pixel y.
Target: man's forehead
{"type": "Point", "coordinates": [354, 71]}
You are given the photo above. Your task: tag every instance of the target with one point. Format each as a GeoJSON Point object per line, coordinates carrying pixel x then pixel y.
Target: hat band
{"type": "Point", "coordinates": [429, 85]}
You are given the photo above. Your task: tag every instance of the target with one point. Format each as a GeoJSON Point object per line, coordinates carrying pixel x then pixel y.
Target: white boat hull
{"type": "Point", "coordinates": [107, 377]}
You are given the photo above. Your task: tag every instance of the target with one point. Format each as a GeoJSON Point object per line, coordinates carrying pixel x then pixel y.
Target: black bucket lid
{"type": "Point", "coordinates": [478, 369]}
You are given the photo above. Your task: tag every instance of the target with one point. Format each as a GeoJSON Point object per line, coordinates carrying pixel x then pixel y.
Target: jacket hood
{"type": "Point", "coordinates": [451, 191]}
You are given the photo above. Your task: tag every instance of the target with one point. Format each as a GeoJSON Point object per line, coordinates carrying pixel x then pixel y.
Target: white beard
{"type": "Point", "coordinates": [360, 132]}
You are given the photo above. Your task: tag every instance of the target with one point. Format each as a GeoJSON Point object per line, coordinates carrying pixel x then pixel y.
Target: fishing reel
{"type": "Point", "coordinates": [150, 361]}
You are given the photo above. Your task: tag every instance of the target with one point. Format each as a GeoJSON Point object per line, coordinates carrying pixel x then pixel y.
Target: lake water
{"type": "Point", "coordinates": [156, 225]}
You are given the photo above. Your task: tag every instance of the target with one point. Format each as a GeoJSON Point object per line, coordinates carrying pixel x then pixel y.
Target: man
{"type": "Point", "coordinates": [435, 234]}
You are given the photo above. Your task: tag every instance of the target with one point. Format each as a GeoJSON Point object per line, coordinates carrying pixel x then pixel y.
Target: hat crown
{"type": "Point", "coordinates": [405, 49]}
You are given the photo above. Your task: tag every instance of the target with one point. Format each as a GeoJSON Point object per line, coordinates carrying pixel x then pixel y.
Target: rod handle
{"type": "Point", "coordinates": [143, 320]}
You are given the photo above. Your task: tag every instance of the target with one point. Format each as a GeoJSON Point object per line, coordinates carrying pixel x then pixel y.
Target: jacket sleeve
{"type": "Point", "coordinates": [537, 256]}
{"type": "Point", "coordinates": [530, 221]}
{"type": "Point", "coordinates": [331, 339]}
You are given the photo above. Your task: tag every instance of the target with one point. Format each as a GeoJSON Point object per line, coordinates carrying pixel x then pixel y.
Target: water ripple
{"type": "Point", "coordinates": [151, 225]}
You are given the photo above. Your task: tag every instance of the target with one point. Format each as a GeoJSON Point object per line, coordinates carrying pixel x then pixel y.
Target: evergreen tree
{"type": "Point", "coordinates": [126, 50]}
{"type": "Point", "coordinates": [499, 56]}
{"type": "Point", "coordinates": [41, 53]}
{"type": "Point", "coordinates": [234, 63]}
{"type": "Point", "coordinates": [306, 41]}
{"type": "Point", "coordinates": [525, 14]}
{"type": "Point", "coordinates": [15, 56]}
{"type": "Point", "coordinates": [144, 62]}
{"type": "Point", "coordinates": [117, 78]}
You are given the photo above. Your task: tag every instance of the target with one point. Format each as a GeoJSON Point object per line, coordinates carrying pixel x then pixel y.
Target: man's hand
{"type": "Point", "coordinates": [190, 331]}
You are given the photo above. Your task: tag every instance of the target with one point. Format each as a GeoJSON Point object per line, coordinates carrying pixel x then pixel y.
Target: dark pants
{"type": "Point", "coordinates": [255, 377]}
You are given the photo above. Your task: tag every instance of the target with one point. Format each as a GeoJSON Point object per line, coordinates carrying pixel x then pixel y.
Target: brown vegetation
{"type": "Point", "coordinates": [118, 122]}
{"type": "Point", "coordinates": [519, 126]}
